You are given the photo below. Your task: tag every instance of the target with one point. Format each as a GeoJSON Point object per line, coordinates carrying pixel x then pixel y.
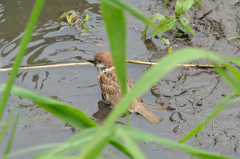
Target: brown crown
{"type": "Point", "coordinates": [105, 57]}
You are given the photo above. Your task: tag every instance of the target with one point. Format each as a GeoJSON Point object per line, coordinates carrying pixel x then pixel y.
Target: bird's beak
{"type": "Point", "coordinates": [91, 61]}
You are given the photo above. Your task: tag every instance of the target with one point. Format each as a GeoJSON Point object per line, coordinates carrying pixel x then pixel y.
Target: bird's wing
{"type": "Point", "coordinates": [110, 87]}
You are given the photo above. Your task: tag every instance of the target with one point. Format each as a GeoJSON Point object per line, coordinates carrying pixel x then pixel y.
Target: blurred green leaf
{"type": "Point", "coordinates": [178, 34]}
{"type": "Point", "coordinates": [236, 37]}
{"type": "Point", "coordinates": [130, 144]}
{"type": "Point", "coordinates": [84, 26]}
{"type": "Point", "coordinates": [182, 6]}
{"type": "Point", "coordinates": [83, 33]}
{"type": "Point", "coordinates": [229, 79]}
{"type": "Point", "coordinates": [197, 4]}
{"type": "Point", "coordinates": [165, 3]}
{"type": "Point", "coordinates": [170, 49]}
{"type": "Point", "coordinates": [87, 16]}
{"type": "Point", "coordinates": [142, 136]}
{"type": "Point", "coordinates": [120, 4]}
{"type": "Point", "coordinates": [9, 145]}
{"type": "Point", "coordinates": [156, 16]}
{"type": "Point", "coordinates": [167, 24]}
{"type": "Point", "coordinates": [68, 114]}
{"type": "Point", "coordinates": [30, 149]}
{"type": "Point", "coordinates": [21, 52]}
{"type": "Point", "coordinates": [184, 25]}
{"type": "Point", "coordinates": [6, 124]}
{"type": "Point", "coordinates": [96, 150]}
{"type": "Point", "coordinates": [165, 41]}
{"type": "Point", "coordinates": [116, 29]}
{"type": "Point", "coordinates": [233, 59]}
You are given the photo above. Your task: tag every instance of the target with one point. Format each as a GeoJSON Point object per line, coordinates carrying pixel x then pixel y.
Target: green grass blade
{"type": "Point", "coordinates": [23, 46]}
{"type": "Point", "coordinates": [184, 25]}
{"type": "Point", "coordinates": [96, 150]}
{"type": "Point", "coordinates": [231, 82]}
{"type": "Point", "coordinates": [68, 114]}
{"type": "Point", "coordinates": [76, 143]}
{"type": "Point", "coordinates": [156, 16]}
{"type": "Point", "coordinates": [121, 148]}
{"type": "Point", "coordinates": [30, 149]}
{"type": "Point", "coordinates": [135, 12]}
{"type": "Point", "coordinates": [214, 112]}
{"type": "Point", "coordinates": [11, 137]}
{"type": "Point", "coordinates": [165, 3]}
{"type": "Point", "coordinates": [142, 136]}
{"type": "Point", "coordinates": [167, 24]}
{"type": "Point", "coordinates": [155, 73]}
{"type": "Point", "coordinates": [235, 72]}
{"type": "Point", "coordinates": [233, 59]}
{"type": "Point", "coordinates": [6, 124]}
{"type": "Point", "coordinates": [130, 144]}
{"type": "Point", "coordinates": [116, 29]}
{"type": "Point", "coordinates": [182, 6]}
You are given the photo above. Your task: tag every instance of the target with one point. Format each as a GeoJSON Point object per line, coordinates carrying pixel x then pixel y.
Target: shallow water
{"type": "Point", "coordinates": [192, 92]}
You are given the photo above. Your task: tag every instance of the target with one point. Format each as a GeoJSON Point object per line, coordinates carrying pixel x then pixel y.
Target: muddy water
{"type": "Point", "coordinates": [192, 92]}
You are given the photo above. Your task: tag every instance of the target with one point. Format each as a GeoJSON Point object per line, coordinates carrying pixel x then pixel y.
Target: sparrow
{"type": "Point", "coordinates": [111, 91]}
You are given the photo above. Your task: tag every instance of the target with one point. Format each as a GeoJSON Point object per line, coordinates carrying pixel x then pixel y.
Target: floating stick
{"type": "Point", "coordinates": [87, 63]}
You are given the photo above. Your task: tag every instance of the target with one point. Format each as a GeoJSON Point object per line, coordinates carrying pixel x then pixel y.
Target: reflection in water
{"type": "Point", "coordinates": [36, 77]}
{"type": "Point", "coordinates": [24, 75]}
{"type": "Point", "coordinates": [46, 41]}
{"type": "Point", "coordinates": [102, 113]}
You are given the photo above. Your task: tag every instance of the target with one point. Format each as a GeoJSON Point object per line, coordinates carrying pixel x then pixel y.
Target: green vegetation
{"type": "Point", "coordinates": [182, 6]}
{"type": "Point", "coordinates": [92, 139]}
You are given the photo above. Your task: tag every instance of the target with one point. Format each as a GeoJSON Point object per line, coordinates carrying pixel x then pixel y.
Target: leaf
{"type": "Point", "coordinates": [165, 41]}
{"type": "Point", "coordinates": [68, 114]}
{"type": "Point", "coordinates": [84, 26]}
{"type": "Point", "coordinates": [87, 16]}
{"type": "Point", "coordinates": [6, 124]}
{"type": "Point", "coordinates": [96, 150]}
{"type": "Point", "coordinates": [233, 59]}
{"type": "Point", "coordinates": [170, 49]}
{"type": "Point", "coordinates": [182, 6]}
{"type": "Point", "coordinates": [178, 34]}
{"type": "Point", "coordinates": [167, 24]}
{"type": "Point", "coordinates": [236, 37]}
{"type": "Point", "coordinates": [11, 137]}
{"type": "Point", "coordinates": [83, 33]}
{"type": "Point", "coordinates": [120, 4]}
{"type": "Point", "coordinates": [21, 52]}
{"type": "Point", "coordinates": [116, 29]}
{"type": "Point", "coordinates": [165, 3]}
{"type": "Point", "coordinates": [197, 4]}
{"type": "Point", "coordinates": [130, 144]}
{"type": "Point", "coordinates": [184, 25]}
{"type": "Point", "coordinates": [142, 136]}
{"type": "Point", "coordinates": [156, 16]}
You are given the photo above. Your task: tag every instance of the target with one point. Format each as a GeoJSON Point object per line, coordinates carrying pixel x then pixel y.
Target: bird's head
{"type": "Point", "coordinates": [102, 60]}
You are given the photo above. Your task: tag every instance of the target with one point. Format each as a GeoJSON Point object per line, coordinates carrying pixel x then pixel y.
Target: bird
{"type": "Point", "coordinates": [111, 90]}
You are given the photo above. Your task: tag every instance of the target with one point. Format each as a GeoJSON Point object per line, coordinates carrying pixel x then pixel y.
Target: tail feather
{"type": "Point", "coordinates": [152, 118]}
{"type": "Point", "coordinates": [155, 107]}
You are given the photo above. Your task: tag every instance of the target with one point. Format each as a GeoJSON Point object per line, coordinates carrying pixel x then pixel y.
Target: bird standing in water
{"type": "Point", "coordinates": [111, 91]}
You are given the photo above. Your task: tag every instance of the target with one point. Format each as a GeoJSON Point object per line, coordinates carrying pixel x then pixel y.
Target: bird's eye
{"type": "Point", "coordinates": [99, 60]}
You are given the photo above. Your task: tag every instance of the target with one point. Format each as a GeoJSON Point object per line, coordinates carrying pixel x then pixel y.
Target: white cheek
{"type": "Point", "coordinates": [100, 65]}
